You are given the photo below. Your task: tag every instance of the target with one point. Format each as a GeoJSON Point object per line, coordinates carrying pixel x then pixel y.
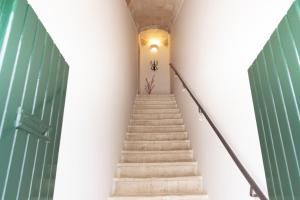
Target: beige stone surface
{"type": "Point", "coordinates": [143, 102]}
{"type": "Point", "coordinates": [155, 106]}
{"type": "Point", "coordinates": [156, 111]}
{"type": "Point", "coordinates": [158, 136]}
{"type": "Point", "coordinates": [162, 197]}
{"type": "Point", "coordinates": [154, 13]}
{"type": "Point", "coordinates": [164, 169]}
{"type": "Point", "coordinates": [156, 116]}
{"type": "Point", "coordinates": [149, 186]}
{"type": "Point", "coordinates": [156, 122]}
{"type": "Point", "coordinates": [157, 156]}
{"type": "Point", "coordinates": [158, 128]}
{"type": "Point", "coordinates": [157, 162]}
{"type": "Point", "coordinates": [157, 145]}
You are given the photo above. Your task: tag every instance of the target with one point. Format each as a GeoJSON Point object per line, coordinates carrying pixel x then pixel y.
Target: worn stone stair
{"type": "Point", "coordinates": [157, 161]}
{"type": "Point", "coordinates": [161, 145]}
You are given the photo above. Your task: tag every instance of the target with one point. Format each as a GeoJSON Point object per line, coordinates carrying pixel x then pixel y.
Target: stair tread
{"type": "Point", "coordinates": [165, 99]}
{"type": "Point", "coordinates": [159, 178]}
{"type": "Point", "coordinates": [164, 119]}
{"type": "Point", "coordinates": [172, 109]}
{"type": "Point", "coordinates": [155, 136]}
{"type": "Point", "coordinates": [156, 126]}
{"type": "Point", "coordinates": [173, 196]}
{"type": "Point", "coordinates": [165, 195]}
{"type": "Point", "coordinates": [154, 102]}
{"type": "Point", "coordinates": [171, 132]}
{"type": "Point", "coordinates": [158, 164]}
{"type": "Point", "coordinates": [158, 109]}
{"type": "Point", "coordinates": [156, 122]}
{"type": "Point", "coordinates": [157, 196]}
{"type": "Point", "coordinates": [154, 116]}
{"type": "Point", "coordinates": [154, 142]}
{"type": "Point", "coordinates": [155, 152]}
{"type": "Point", "coordinates": [151, 95]}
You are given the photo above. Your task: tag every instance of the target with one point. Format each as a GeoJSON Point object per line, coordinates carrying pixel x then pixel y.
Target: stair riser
{"type": "Point", "coordinates": [143, 171]}
{"type": "Point", "coordinates": [156, 111]}
{"type": "Point", "coordinates": [157, 137]}
{"type": "Point", "coordinates": [163, 157]}
{"type": "Point", "coordinates": [142, 107]}
{"type": "Point", "coordinates": [158, 187]}
{"type": "Point", "coordinates": [155, 99]}
{"type": "Point", "coordinates": [157, 146]}
{"type": "Point", "coordinates": [153, 102]}
{"type": "Point", "coordinates": [153, 129]}
{"type": "Point", "coordinates": [155, 95]}
{"type": "Point", "coordinates": [156, 116]}
{"type": "Point", "coordinates": [162, 197]}
{"type": "Point", "coordinates": [157, 122]}
{"type": "Point", "coordinates": [141, 97]}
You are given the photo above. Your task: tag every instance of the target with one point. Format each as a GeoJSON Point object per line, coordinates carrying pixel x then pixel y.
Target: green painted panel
{"type": "Point", "coordinates": [33, 81]}
{"type": "Point", "coordinates": [275, 86]}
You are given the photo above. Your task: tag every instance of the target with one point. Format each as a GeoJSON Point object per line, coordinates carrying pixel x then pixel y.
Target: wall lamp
{"type": "Point", "coordinates": [153, 48]}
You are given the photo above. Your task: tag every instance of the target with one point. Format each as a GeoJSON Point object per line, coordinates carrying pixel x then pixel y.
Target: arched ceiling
{"type": "Point", "coordinates": [159, 14]}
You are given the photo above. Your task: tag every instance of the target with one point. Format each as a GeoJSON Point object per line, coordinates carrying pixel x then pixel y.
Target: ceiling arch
{"type": "Point", "coordinates": [154, 14]}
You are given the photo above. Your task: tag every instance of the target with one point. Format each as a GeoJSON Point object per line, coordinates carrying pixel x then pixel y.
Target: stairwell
{"type": "Point", "coordinates": [157, 161]}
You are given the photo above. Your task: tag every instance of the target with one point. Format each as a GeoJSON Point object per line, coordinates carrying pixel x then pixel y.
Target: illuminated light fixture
{"type": "Point", "coordinates": [153, 48]}
{"type": "Point", "coordinates": [154, 41]}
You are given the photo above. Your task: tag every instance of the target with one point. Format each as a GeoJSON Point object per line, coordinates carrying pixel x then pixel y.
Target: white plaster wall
{"type": "Point", "coordinates": [162, 75]}
{"type": "Point", "coordinates": [99, 41]}
{"type": "Point", "coordinates": [213, 44]}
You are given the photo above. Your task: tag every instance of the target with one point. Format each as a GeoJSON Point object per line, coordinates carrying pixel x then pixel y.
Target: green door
{"type": "Point", "coordinates": [275, 85]}
{"type": "Point", "coordinates": [33, 80]}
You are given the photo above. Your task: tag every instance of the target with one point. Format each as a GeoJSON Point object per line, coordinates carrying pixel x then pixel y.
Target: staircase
{"type": "Point", "coordinates": [157, 161]}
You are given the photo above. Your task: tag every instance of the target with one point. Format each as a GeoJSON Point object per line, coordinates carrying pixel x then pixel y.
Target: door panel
{"type": "Point", "coordinates": [33, 80]}
{"type": "Point", "coordinates": [275, 85]}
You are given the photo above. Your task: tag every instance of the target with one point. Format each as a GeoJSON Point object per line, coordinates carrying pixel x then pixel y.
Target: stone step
{"type": "Point", "coordinates": [151, 129]}
{"type": "Point", "coordinates": [157, 145]}
{"type": "Point", "coordinates": [147, 170]}
{"type": "Point", "coordinates": [168, 96]}
{"type": "Point", "coordinates": [156, 116]}
{"type": "Point", "coordinates": [156, 122]}
{"type": "Point", "coordinates": [156, 156]}
{"type": "Point", "coordinates": [155, 102]}
{"type": "Point", "coordinates": [152, 106]}
{"type": "Point", "coordinates": [155, 95]}
{"type": "Point", "coordinates": [158, 186]}
{"type": "Point", "coordinates": [133, 136]}
{"type": "Point", "coordinates": [156, 111]}
{"type": "Point", "coordinates": [155, 99]}
{"type": "Point", "coordinates": [158, 98]}
{"type": "Point", "coordinates": [163, 197]}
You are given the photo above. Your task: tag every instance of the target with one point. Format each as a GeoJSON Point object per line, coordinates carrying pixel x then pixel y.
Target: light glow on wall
{"type": "Point", "coordinates": [154, 41]}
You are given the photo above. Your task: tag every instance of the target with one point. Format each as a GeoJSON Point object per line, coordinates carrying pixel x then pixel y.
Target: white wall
{"type": "Point", "coordinates": [99, 41]}
{"type": "Point", "coordinates": [162, 75]}
{"type": "Point", "coordinates": [213, 44]}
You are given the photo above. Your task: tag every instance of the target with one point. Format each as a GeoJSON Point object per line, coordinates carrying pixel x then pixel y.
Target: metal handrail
{"type": "Point", "coordinates": [255, 191]}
